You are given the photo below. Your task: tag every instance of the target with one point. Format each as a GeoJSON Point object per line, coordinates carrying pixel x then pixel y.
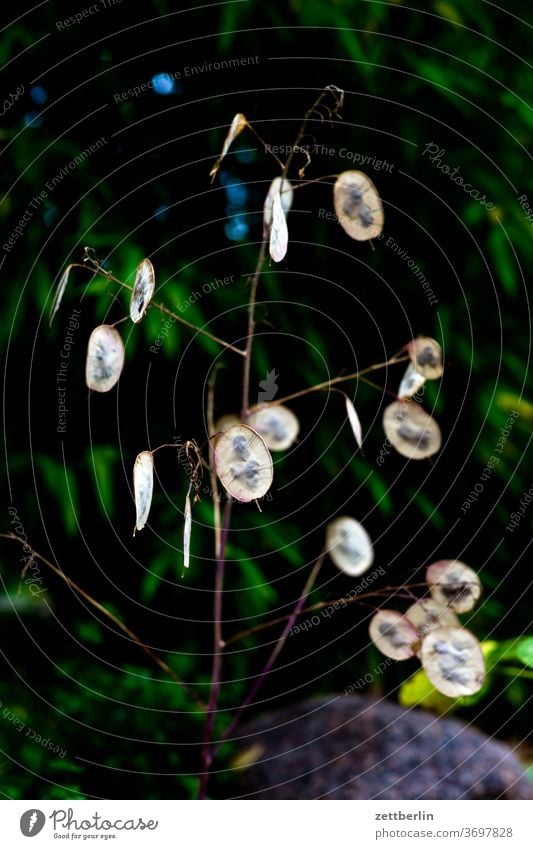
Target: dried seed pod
{"type": "Point", "coordinates": [279, 234]}
{"type": "Point", "coordinates": [226, 421]}
{"type": "Point", "coordinates": [411, 431]}
{"type": "Point", "coordinates": [187, 525]}
{"type": "Point", "coordinates": [286, 194]}
{"type": "Point", "coordinates": [426, 357]}
{"type": "Point", "coordinates": [237, 126]}
{"type": "Point", "coordinates": [358, 206]}
{"type": "Point", "coordinates": [428, 614]}
{"type": "Point", "coordinates": [243, 463]}
{"type": "Point", "coordinates": [349, 546]}
{"type": "Point", "coordinates": [412, 382]}
{"type": "Point", "coordinates": [60, 291]}
{"type": "Point", "coordinates": [453, 661]}
{"type": "Point", "coordinates": [278, 426]}
{"type": "Point", "coordinates": [143, 290]}
{"type": "Point", "coordinates": [105, 358]}
{"type": "Point", "coordinates": [454, 584]}
{"type": "Point", "coordinates": [143, 487]}
{"type": "Point", "coordinates": [355, 424]}
{"type": "Point", "coordinates": [393, 634]}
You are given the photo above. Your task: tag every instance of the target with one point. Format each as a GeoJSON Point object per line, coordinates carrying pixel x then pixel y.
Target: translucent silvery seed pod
{"type": "Point", "coordinates": [411, 431]}
{"type": "Point", "coordinates": [278, 426]}
{"type": "Point", "coordinates": [426, 357]}
{"type": "Point", "coordinates": [393, 634]}
{"type": "Point", "coordinates": [358, 205]}
{"type": "Point", "coordinates": [454, 584]}
{"type": "Point", "coordinates": [412, 382]}
{"type": "Point", "coordinates": [143, 290]}
{"type": "Point", "coordinates": [427, 614]}
{"type": "Point", "coordinates": [286, 193]}
{"type": "Point", "coordinates": [143, 487]}
{"type": "Point", "coordinates": [243, 463]}
{"type": "Point", "coordinates": [105, 358]}
{"type": "Point", "coordinates": [349, 546]}
{"type": "Point", "coordinates": [453, 661]}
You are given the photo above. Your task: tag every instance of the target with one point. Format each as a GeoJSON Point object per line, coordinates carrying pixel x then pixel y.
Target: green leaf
{"type": "Point", "coordinates": [62, 485]}
{"type": "Point", "coordinates": [418, 691]}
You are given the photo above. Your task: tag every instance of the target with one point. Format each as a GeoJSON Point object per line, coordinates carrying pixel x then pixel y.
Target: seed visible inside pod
{"type": "Point", "coordinates": [143, 487]}
{"type": "Point", "coordinates": [411, 431]}
{"type": "Point", "coordinates": [453, 661]}
{"type": "Point", "coordinates": [279, 234]}
{"type": "Point", "coordinates": [278, 426]}
{"type": "Point", "coordinates": [358, 206]}
{"type": "Point", "coordinates": [286, 194]}
{"type": "Point", "coordinates": [105, 358]}
{"type": "Point", "coordinates": [454, 584]}
{"type": "Point", "coordinates": [143, 290]}
{"type": "Point", "coordinates": [426, 357]}
{"type": "Point", "coordinates": [428, 614]}
{"type": "Point", "coordinates": [412, 382]}
{"type": "Point", "coordinates": [393, 634]}
{"type": "Point", "coordinates": [243, 463]}
{"type": "Point", "coordinates": [349, 546]}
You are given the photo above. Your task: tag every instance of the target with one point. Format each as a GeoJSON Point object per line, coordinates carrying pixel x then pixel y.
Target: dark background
{"type": "Point", "coordinates": [452, 74]}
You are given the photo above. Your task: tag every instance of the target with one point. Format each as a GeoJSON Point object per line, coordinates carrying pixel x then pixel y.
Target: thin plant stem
{"type": "Point", "coordinates": [218, 645]}
{"type": "Point", "coordinates": [245, 412]}
{"type": "Point", "coordinates": [309, 584]}
{"type": "Point", "coordinates": [111, 616]}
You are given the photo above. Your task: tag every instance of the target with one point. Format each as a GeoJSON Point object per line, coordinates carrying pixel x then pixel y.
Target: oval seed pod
{"type": "Point", "coordinates": [393, 634]}
{"type": "Point", "coordinates": [355, 424]}
{"type": "Point", "coordinates": [411, 431]}
{"type": "Point", "coordinates": [105, 358]}
{"type": "Point", "coordinates": [237, 126]}
{"type": "Point", "coordinates": [427, 614]}
{"type": "Point", "coordinates": [143, 487]}
{"type": "Point", "coordinates": [412, 382]}
{"type": "Point", "coordinates": [349, 546]}
{"type": "Point", "coordinates": [453, 661]}
{"type": "Point", "coordinates": [426, 357]}
{"type": "Point", "coordinates": [286, 193]}
{"type": "Point", "coordinates": [278, 426]}
{"type": "Point", "coordinates": [358, 206]}
{"type": "Point", "coordinates": [143, 290]}
{"type": "Point", "coordinates": [243, 463]}
{"type": "Point", "coordinates": [454, 584]}
{"type": "Point", "coordinates": [279, 234]}
{"type": "Point", "coordinates": [60, 291]}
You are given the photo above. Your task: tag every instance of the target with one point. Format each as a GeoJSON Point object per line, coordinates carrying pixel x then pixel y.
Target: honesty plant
{"type": "Point", "coordinates": [236, 450]}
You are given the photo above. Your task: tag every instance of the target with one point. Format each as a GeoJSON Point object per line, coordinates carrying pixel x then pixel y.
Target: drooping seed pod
{"type": "Point", "coordinates": [426, 357]}
{"type": "Point", "coordinates": [355, 424]}
{"type": "Point", "coordinates": [187, 526]}
{"type": "Point", "coordinates": [428, 614]}
{"type": "Point", "coordinates": [143, 487]}
{"type": "Point", "coordinates": [358, 205]}
{"type": "Point", "coordinates": [412, 382]}
{"type": "Point", "coordinates": [243, 463]}
{"type": "Point", "coordinates": [278, 426]}
{"type": "Point", "coordinates": [454, 584]}
{"type": "Point", "coordinates": [393, 634]}
{"type": "Point", "coordinates": [286, 193]}
{"type": "Point", "coordinates": [143, 290]}
{"type": "Point", "coordinates": [237, 126]}
{"type": "Point", "coordinates": [105, 358]}
{"type": "Point", "coordinates": [349, 546]}
{"type": "Point", "coordinates": [279, 234]}
{"type": "Point", "coordinates": [60, 291]}
{"type": "Point", "coordinates": [453, 661]}
{"type": "Point", "coordinates": [411, 431]}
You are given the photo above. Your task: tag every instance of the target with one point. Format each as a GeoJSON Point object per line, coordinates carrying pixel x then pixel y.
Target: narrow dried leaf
{"type": "Point", "coordinates": [243, 463]}
{"type": "Point", "coordinates": [60, 291]}
{"type": "Point", "coordinates": [143, 290]}
{"type": "Point", "coordinates": [279, 234]}
{"type": "Point", "coordinates": [426, 357]}
{"type": "Point", "coordinates": [105, 358]}
{"type": "Point", "coordinates": [187, 531]}
{"type": "Point", "coordinates": [411, 431]}
{"type": "Point", "coordinates": [278, 426]}
{"type": "Point", "coordinates": [453, 661]}
{"type": "Point", "coordinates": [286, 196]}
{"type": "Point", "coordinates": [355, 424]}
{"type": "Point", "coordinates": [349, 546]}
{"type": "Point", "coordinates": [358, 206]}
{"type": "Point", "coordinates": [393, 634]}
{"type": "Point", "coordinates": [454, 584]}
{"type": "Point", "coordinates": [412, 382]}
{"type": "Point", "coordinates": [237, 126]}
{"type": "Point", "coordinates": [427, 614]}
{"type": "Point", "coordinates": [143, 487]}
